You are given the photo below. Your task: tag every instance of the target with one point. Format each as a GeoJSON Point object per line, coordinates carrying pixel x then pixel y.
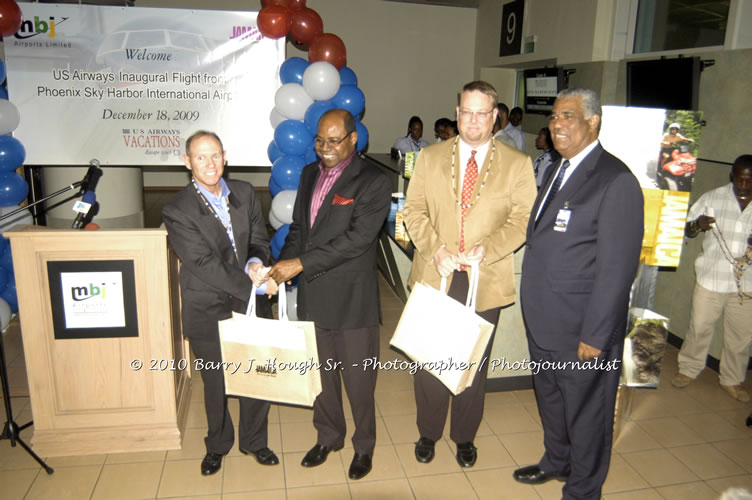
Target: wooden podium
{"type": "Point", "coordinates": [107, 365]}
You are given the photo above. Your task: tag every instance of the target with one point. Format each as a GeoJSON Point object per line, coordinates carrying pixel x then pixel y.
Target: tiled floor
{"type": "Point", "coordinates": [678, 444]}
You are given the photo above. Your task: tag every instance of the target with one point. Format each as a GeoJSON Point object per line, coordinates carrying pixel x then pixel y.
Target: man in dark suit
{"type": "Point", "coordinates": [340, 208]}
{"type": "Point", "coordinates": [217, 230]}
{"type": "Point", "coordinates": [582, 253]}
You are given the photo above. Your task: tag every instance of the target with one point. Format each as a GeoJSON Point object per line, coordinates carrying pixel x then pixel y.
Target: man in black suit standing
{"type": "Point", "coordinates": [217, 230]}
{"type": "Point", "coordinates": [582, 253]}
{"type": "Point", "coordinates": [340, 208]}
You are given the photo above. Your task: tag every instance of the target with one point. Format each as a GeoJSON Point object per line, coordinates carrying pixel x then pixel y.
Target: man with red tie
{"type": "Point", "coordinates": [468, 201]}
{"type": "Point", "coordinates": [340, 208]}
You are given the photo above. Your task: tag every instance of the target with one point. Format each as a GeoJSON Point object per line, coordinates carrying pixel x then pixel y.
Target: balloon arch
{"type": "Point", "coordinates": [13, 187]}
{"type": "Point", "coordinates": [309, 89]}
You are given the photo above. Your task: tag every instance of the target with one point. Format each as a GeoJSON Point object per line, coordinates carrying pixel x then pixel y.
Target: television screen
{"type": "Point", "coordinates": [541, 88]}
{"type": "Point", "coordinates": [664, 83]}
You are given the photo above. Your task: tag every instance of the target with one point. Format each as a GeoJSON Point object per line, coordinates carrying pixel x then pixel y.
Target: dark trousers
{"type": "Point", "coordinates": [348, 347]}
{"type": "Point", "coordinates": [576, 407]}
{"type": "Point", "coordinates": [252, 430]}
{"type": "Point", "coordinates": [432, 397]}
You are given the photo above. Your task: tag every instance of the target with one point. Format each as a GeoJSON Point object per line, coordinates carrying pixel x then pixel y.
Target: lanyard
{"type": "Point", "coordinates": [228, 227]}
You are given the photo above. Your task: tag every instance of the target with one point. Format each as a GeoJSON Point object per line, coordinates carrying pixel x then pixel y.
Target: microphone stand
{"type": "Point", "coordinates": [42, 200]}
{"type": "Point", "coordinates": [12, 430]}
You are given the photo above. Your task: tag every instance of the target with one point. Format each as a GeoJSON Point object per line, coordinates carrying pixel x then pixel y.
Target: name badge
{"type": "Point", "coordinates": [562, 219]}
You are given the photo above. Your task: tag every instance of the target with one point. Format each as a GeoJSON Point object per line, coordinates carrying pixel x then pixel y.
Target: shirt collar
{"type": "Point", "coordinates": [211, 197]}
{"type": "Point", "coordinates": [577, 159]}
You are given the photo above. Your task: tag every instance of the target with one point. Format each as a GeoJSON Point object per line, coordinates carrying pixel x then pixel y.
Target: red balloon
{"type": "Point", "coordinates": [10, 17]}
{"type": "Point", "coordinates": [330, 48]}
{"type": "Point", "coordinates": [306, 25]}
{"type": "Point", "coordinates": [274, 21]}
{"type": "Point", "coordinates": [91, 226]}
{"type": "Point", "coordinates": [279, 3]}
{"type": "Point", "coordinates": [297, 4]}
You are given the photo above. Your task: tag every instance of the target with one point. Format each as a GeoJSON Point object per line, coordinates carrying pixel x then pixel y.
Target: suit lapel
{"type": "Point", "coordinates": [578, 178]}
{"type": "Point", "coordinates": [213, 228]}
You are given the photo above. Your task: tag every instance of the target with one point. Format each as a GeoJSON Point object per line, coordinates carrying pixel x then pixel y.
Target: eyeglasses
{"type": "Point", "coordinates": [467, 114]}
{"type": "Point", "coordinates": [332, 143]}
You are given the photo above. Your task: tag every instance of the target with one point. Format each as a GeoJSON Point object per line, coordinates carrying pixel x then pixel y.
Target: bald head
{"type": "Point", "coordinates": [336, 137]}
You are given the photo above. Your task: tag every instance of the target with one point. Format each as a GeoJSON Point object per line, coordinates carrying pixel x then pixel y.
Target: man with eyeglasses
{"type": "Point", "coordinates": [583, 249]}
{"type": "Point", "coordinates": [216, 228]}
{"type": "Point", "coordinates": [468, 201]}
{"type": "Point", "coordinates": [340, 208]}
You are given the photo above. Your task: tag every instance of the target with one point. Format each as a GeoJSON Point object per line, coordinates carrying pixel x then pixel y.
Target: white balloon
{"type": "Point", "coordinates": [9, 117]}
{"type": "Point", "coordinates": [276, 223]}
{"type": "Point", "coordinates": [292, 303]}
{"type": "Point", "coordinates": [275, 118]}
{"type": "Point", "coordinates": [282, 205]}
{"type": "Point", "coordinates": [20, 219]}
{"type": "Point", "coordinates": [292, 101]}
{"type": "Point", "coordinates": [5, 313]}
{"type": "Point", "coordinates": [321, 80]}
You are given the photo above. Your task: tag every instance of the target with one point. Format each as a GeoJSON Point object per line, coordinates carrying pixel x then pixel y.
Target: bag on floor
{"type": "Point", "coordinates": [445, 337]}
{"type": "Point", "coordinates": [278, 359]}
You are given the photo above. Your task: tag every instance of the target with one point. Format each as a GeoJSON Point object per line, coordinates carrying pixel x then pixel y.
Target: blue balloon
{"type": "Point", "coordinates": [313, 115]}
{"type": "Point", "coordinates": [286, 171]}
{"type": "Point", "coordinates": [362, 137]}
{"type": "Point", "coordinates": [279, 237]}
{"type": "Point", "coordinates": [350, 98]}
{"type": "Point", "coordinates": [3, 93]}
{"type": "Point", "coordinates": [292, 137]}
{"type": "Point", "coordinates": [347, 77]}
{"type": "Point", "coordinates": [10, 296]}
{"type": "Point", "coordinates": [274, 188]}
{"type": "Point", "coordinates": [273, 151]}
{"type": "Point", "coordinates": [4, 243]}
{"type": "Point", "coordinates": [311, 156]}
{"type": "Point", "coordinates": [6, 260]}
{"type": "Point", "coordinates": [4, 278]}
{"type": "Point", "coordinates": [292, 70]}
{"type": "Point", "coordinates": [12, 153]}
{"type": "Point", "coordinates": [2, 72]}
{"type": "Point", "coordinates": [13, 189]}
{"type": "Point", "coordinates": [275, 250]}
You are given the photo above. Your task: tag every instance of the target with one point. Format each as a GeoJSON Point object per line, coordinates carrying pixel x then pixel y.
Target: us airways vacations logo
{"type": "Point", "coordinates": [81, 293]}
{"type": "Point", "coordinates": [39, 26]}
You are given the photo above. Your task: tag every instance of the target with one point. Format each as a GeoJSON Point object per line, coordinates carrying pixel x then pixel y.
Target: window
{"type": "Point", "coordinates": [680, 24]}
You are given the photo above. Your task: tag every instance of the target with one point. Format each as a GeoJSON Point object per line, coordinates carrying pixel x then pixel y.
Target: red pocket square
{"type": "Point", "coordinates": [341, 200]}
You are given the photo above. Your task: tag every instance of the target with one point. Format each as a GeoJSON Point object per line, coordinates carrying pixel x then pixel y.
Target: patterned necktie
{"type": "Point", "coordinates": [554, 188]}
{"type": "Point", "coordinates": [468, 186]}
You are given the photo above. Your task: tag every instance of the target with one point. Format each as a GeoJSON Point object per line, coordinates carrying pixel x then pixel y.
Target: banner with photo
{"type": "Point", "coordinates": [127, 85]}
{"type": "Point", "coordinates": [660, 147]}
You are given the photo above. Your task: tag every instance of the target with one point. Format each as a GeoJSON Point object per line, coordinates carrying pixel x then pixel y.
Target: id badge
{"type": "Point", "coordinates": [562, 219]}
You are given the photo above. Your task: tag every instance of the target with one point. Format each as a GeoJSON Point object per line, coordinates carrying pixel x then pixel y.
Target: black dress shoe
{"type": "Point", "coordinates": [532, 474]}
{"type": "Point", "coordinates": [467, 454]}
{"type": "Point", "coordinates": [264, 456]}
{"type": "Point", "coordinates": [211, 463]}
{"type": "Point", "coordinates": [360, 466]}
{"type": "Point", "coordinates": [317, 455]}
{"type": "Point", "coordinates": [425, 450]}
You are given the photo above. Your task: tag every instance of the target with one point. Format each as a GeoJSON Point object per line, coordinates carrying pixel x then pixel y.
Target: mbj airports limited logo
{"type": "Point", "coordinates": [81, 293]}
{"type": "Point", "coordinates": [38, 26]}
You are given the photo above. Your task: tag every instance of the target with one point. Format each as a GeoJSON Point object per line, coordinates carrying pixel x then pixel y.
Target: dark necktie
{"type": "Point", "coordinates": [554, 188]}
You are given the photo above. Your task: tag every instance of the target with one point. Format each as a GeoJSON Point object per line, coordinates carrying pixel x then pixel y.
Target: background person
{"type": "Point", "coordinates": [724, 281]}
{"type": "Point", "coordinates": [413, 141]}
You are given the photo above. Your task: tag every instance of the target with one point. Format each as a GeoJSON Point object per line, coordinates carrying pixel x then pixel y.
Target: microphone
{"type": "Point", "coordinates": [87, 207]}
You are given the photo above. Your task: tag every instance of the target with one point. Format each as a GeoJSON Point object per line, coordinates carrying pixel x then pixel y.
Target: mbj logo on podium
{"type": "Point", "coordinates": [79, 293]}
